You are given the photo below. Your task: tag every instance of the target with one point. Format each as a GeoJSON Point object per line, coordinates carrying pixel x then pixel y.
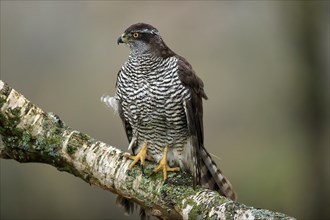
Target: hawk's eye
{"type": "Point", "coordinates": [135, 34]}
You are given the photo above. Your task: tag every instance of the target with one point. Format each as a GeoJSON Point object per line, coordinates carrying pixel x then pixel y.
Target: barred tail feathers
{"type": "Point", "coordinates": [212, 178]}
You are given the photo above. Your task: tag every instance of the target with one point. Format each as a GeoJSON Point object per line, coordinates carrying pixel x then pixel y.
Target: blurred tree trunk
{"type": "Point", "coordinates": [311, 33]}
{"type": "Point", "coordinates": [316, 103]}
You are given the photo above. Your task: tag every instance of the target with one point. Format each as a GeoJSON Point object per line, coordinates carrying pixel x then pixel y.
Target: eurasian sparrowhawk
{"type": "Point", "coordinates": [159, 99]}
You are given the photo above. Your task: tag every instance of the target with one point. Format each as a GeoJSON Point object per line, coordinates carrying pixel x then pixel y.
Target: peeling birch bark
{"type": "Point", "coordinates": [28, 134]}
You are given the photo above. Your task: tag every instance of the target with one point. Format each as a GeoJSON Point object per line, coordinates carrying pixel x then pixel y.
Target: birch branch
{"type": "Point", "coordinates": [28, 134]}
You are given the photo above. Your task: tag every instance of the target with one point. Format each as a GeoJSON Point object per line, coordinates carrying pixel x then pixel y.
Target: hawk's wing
{"type": "Point", "coordinates": [127, 126]}
{"type": "Point", "coordinates": [204, 170]}
{"type": "Point", "coordinates": [194, 113]}
{"type": "Point", "coordinates": [194, 106]}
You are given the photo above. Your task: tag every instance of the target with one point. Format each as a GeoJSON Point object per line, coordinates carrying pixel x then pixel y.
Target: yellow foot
{"type": "Point", "coordinates": [164, 166]}
{"type": "Point", "coordinates": [141, 156]}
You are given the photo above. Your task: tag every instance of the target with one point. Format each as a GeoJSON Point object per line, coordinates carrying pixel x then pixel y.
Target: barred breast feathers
{"type": "Point", "coordinates": [151, 92]}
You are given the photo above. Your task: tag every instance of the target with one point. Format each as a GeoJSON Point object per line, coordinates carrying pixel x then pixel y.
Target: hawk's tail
{"type": "Point", "coordinates": [212, 178]}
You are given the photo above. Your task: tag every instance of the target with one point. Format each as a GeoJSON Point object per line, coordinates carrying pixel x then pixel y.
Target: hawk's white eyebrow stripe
{"type": "Point", "coordinates": [149, 31]}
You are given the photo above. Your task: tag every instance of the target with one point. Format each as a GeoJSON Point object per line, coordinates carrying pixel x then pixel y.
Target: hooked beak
{"type": "Point", "coordinates": [122, 39]}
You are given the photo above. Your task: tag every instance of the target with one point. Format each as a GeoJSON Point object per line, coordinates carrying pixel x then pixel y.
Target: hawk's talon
{"type": "Point", "coordinates": [141, 156]}
{"type": "Point", "coordinates": [164, 166]}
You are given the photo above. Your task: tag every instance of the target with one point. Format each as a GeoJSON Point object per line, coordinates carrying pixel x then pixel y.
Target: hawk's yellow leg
{"type": "Point", "coordinates": [164, 166]}
{"type": "Point", "coordinates": [141, 156]}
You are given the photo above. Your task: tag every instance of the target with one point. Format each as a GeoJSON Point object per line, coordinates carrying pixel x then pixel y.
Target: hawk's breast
{"type": "Point", "coordinates": [152, 101]}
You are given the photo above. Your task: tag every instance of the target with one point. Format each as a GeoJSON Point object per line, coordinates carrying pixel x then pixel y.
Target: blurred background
{"type": "Point", "coordinates": [265, 66]}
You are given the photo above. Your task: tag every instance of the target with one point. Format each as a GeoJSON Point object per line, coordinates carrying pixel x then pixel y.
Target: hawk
{"type": "Point", "coordinates": [159, 99]}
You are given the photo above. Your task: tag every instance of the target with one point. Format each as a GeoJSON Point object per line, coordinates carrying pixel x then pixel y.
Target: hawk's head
{"type": "Point", "coordinates": [145, 39]}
